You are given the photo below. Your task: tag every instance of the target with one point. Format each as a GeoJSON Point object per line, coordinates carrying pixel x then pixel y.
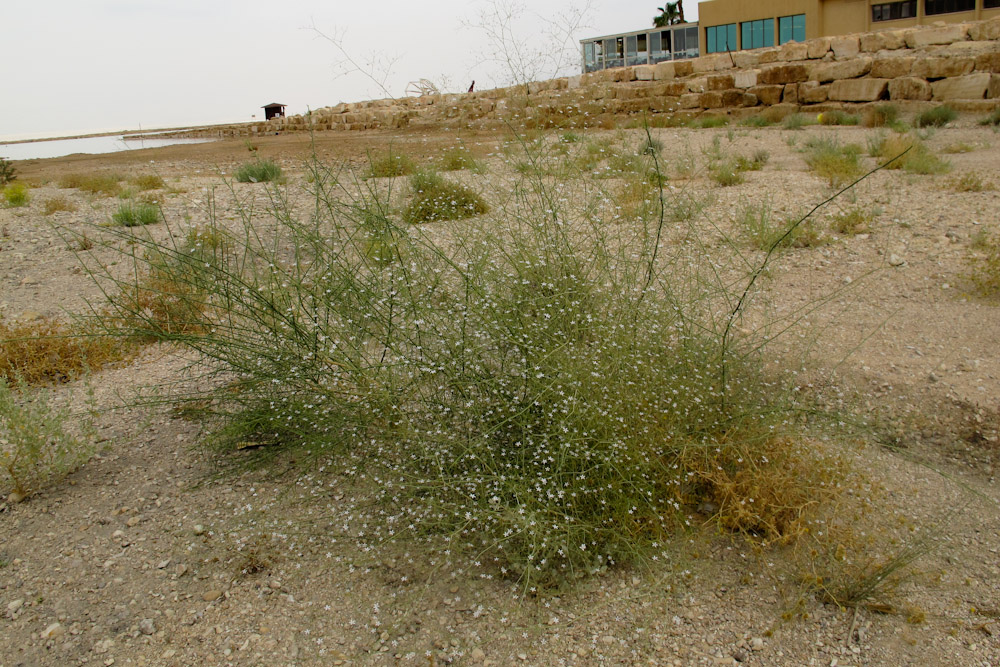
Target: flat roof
{"type": "Point", "coordinates": [689, 24]}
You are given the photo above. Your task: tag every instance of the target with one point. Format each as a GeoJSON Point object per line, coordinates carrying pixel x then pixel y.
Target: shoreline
{"type": "Point", "coordinates": [124, 133]}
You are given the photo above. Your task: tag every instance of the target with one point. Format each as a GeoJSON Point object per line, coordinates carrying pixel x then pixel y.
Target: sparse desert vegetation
{"type": "Point", "coordinates": [568, 384]}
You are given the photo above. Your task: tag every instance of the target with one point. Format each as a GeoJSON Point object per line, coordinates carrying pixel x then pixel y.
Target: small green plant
{"type": "Point", "coordinates": [908, 153]}
{"type": "Point", "coordinates": [261, 171]}
{"type": "Point", "coordinates": [458, 158]}
{"type": "Point", "coordinates": [391, 165]}
{"type": "Point", "coordinates": [958, 147]}
{"type": "Point", "coordinates": [16, 194]}
{"type": "Point", "coordinates": [992, 119]}
{"type": "Point", "coordinates": [936, 117]}
{"type": "Point", "coordinates": [838, 164]}
{"type": "Point", "coordinates": [148, 182]}
{"type": "Point", "coordinates": [797, 121]}
{"type": "Point", "coordinates": [984, 267]}
{"type": "Point", "coordinates": [726, 173]}
{"type": "Point", "coordinates": [881, 115]}
{"type": "Point", "coordinates": [837, 117]}
{"type": "Point", "coordinates": [756, 120]}
{"type": "Point", "coordinates": [570, 138]}
{"type": "Point", "coordinates": [970, 181]}
{"type": "Point", "coordinates": [99, 184]}
{"type": "Point", "coordinates": [7, 171]}
{"type": "Point", "coordinates": [57, 204]}
{"type": "Point", "coordinates": [435, 198]}
{"type": "Point", "coordinates": [708, 122]}
{"type": "Point", "coordinates": [135, 214]}
{"type": "Point", "coordinates": [651, 146]}
{"type": "Point", "coordinates": [36, 446]}
{"type": "Point", "coordinates": [853, 221]}
{"type": "Point", "coordinates": [755, 162]}
{"type": "Point", "coordinates": [756, 223]}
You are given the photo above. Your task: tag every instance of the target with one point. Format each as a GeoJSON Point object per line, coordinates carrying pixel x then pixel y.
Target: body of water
{"type": "Point", "coordinates": [109, 144]}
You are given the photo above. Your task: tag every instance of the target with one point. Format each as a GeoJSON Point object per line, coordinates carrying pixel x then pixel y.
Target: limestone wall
{"type": "Point", "coordinates": [958, 64]}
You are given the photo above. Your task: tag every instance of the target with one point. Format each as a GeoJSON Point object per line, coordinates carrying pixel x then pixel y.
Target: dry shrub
{"type": "Point", "coordinates": [766, 489]}
{"type": "Point", "coordinates": [47, 351]}
{"type": "Point", "coordinates": [57, 204]}
{"type": "Point", "coordinates": [102, 184]}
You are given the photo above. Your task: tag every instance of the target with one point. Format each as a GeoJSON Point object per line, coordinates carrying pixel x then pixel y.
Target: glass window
{"type": "Point", "coordinates": [889, 11]}
{"type": "Point", "coordinates": [792, 28]}
{"type": "Point", "coordinates": [991, 4]}
{"type": "Point", "coordinates": [721, 38]}
{"type": "Point", "coordinates": [948, 6]}
{"type": "Point", "coordinates": [757, 34]}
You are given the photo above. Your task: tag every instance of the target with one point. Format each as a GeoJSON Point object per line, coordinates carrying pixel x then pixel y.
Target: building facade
{"type": "Point", "coordinates": [734, 25]}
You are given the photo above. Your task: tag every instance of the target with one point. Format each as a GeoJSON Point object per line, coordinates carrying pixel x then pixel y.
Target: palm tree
{"type": "Point", "coordinates": [672, 13]}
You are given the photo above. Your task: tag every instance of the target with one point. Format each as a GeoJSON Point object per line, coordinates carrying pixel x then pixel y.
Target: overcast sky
{"type": "Point", "coordinates": [75, 66]}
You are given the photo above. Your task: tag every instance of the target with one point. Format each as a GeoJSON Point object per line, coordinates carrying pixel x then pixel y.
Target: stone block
{"type": "Point", "coordinates": [985, 30]}
{"type": "Point", "coordinates": [745, 78]}
{"type": "Point", "coordinates": [988, 62]}
{"type": "Point", "coordinates": [811, 92]}
{"type": "Point", "coordinates": [750, 100]}
{"type": "Point", "coordinates": [663, 71]}
{"type": "Point", "coordinates": [712, 62]}
{"type": "Point", "coordinates": [711, 100]}
{"type": "Point", "coordinates": [746, 59]}
{"type": "Point", "coordinates": [964, 49]}
{"type": "Point", "coordinates": [969, 87]}
{"type": "Point", "coordinates": [768, 94]}
{"type": "Point", "coordinates": [574, 82]}
{"type": "Point", "coordinates": [623, 74]}
{"type": "Point", "coordinates": [790, 95]}
{"type": "Point", "coordinates": [975, 106]}
{"type": "Point", "coordinates": [940, 68]}
{"type": "Point", "coordinates": [872, 42]}
{"type": "Point", "coordinates": [689, 101]}
{"type": "Point", "coordinates": [675, 88]}
{"type": "Point", "coordinates": [858, 90]}
{"type": "Point", "coordinates": [840, 69]}
{"type": "Point", "coordinates": [683, 68]}
{"type": "Point", "coordinates": [845, 47]}
{"type": "Point", "coordinates": [698, 84]}
{"type": "Point", "coordinates": [817, 48]}
{"type": "Point", "coordinates": [891, 67]}
{"type": "Point", "coordinates": [782, 74]}
{"type": "Point", "coordinates": [993, 90]}
{"type": "Point", "coordinates": [721, 82]}
{"type": "Point", "coordinates": [765, 56]}
{"type": "Point", "coordinates": [644, 72]}
{"type": "Point", "coordinates": [918, 37]}
{"type": "Point", "coordinates": [791, 51]}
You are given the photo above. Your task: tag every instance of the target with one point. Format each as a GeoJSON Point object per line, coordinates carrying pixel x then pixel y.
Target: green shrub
{"type": "Point", "coordinates": [754, 163]}
{"type": "Point", "coordinates": [707, 122]}
{"type": "Point", "coordinates": [435, 198]}
{"type": "Point", "coordinates": [837, 117]}
{"type": "Point", "coordinates": [992, 119]}
{"type": "Point", "coordinates": [936, 117]}
{"type": "Point", "coordinates": [797, 121]}
{"type": "Point", "coordinates": [836, 163]}
{"type": "Point", "coordinates": [56, 204]}
{"type": "Point", "coordinates": [16, 194]}
{"type": "Point", "coordinates": [543, 395]}
{"type": "Point", "coordinates": [908, 153]}
{"type": "Point", "coordinates": [136, 214]}
{"type": "Point", "coordinates": [36, 445]}
{"type": "Point", "coordinates": [881, 115]}
{"type": "Point", "coordinates": [148, 182]}
{"type": "Point", "coordinates": [984, 267]}
{"type": "Point", "coordinates": [391, 165]}
{"type": "Point", "coordinates": [459, 158]}
{"type": "Point", "coordinates": [757, 224]}
{"type": "Point", "coordinates": [103, 184]}
{"type": "Point", "coordinates": [726, 173]}
{"type": "Point", "coordinates": [7, 171]}
{"type": "Point", "coordinates": [970, 181]}
{"type": "Point", "coordinates": [853, 221]}
{"type": "Point", "coordinates": [261, 171]}
{"type": "Point", "coordinates": [756, 120]}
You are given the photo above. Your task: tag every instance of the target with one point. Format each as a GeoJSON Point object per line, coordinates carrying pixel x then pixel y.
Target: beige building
{"type": "Point", "coordinates": [731, 25]}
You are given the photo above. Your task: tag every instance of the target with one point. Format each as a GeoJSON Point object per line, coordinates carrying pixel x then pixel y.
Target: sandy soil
{"type": "Point", "coordinates": [144, 557]}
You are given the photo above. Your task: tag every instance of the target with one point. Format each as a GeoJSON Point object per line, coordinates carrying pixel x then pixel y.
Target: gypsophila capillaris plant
{"type": "Point", "coordinates": [541, 395]}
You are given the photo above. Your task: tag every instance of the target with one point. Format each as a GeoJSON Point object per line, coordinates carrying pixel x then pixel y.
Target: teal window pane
{"type": "Point", "coordinates": [799, 28]}
{"type": "Point", "coordinates": [747, 39]}
{"type": "Point", "coordinates": [710, 37]}
{"type": "Point", "coordinates": [731, 41]}
{"type": "Point", "coordinates": [768, 33]}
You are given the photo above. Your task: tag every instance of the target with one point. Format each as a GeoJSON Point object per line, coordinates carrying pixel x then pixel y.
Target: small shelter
{"type": "Point", "coordinates": [274, 110]}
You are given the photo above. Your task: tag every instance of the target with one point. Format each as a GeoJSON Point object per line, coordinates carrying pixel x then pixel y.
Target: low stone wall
{"type": "Point", "coordinates": [958, 64]}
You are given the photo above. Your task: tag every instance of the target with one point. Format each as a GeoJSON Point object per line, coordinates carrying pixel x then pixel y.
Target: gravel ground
{"type": "Point", "coordinates": [146, 557]}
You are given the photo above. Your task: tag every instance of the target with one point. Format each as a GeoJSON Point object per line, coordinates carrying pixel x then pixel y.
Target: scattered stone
{"type": "Point", "coordinates": [211, 596]}
{"type": "Point", "coordinates": [739, 655]}
{"type": "Point", "coordinates": [54, 631]}
{"type": "Point", "coordinates": [15, 497]}
{"type": "Point", "coordinates": [757, 643]}
{"type": "Point", "coordinates": [146, 626]}
{"type": "Point", "coordinates": [477, 655]}
{"type": "Point", "coordinates": [14, 606]}
{"type": "Point", "coordinates": [895, 260]}
{"type": "Point", "coordinates": [608, 639]}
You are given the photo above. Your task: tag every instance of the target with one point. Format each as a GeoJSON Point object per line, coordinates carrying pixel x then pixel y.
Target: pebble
{"type": "Point", "coordinates": [477, 655]}
{"type": "Point", "coordinates": [15, 497]}
{"type": "Point", "coordinates": [53, 631]}
{"type": "Point", "coordinates": [757, 643]}
{"type": "Point", "coordinates": [211, 596]}
{"type": "Point", "coordinates": [199, 529]}
{"type": "Point", "coordinates": [895, 260]}
{"type": "Point", "coordinates": [146, 626]}
{"type": "Point", "coordinates": [608, 639]}
{"type": "Point", "coordinates": [15, 606]}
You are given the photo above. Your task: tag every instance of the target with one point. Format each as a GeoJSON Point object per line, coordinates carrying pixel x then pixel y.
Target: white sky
{"type": "Point", "coordinates": [76, 66]}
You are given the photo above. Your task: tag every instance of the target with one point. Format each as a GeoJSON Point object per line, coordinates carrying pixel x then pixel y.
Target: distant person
{"type": "Point", "coordinates": [472, 85]}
